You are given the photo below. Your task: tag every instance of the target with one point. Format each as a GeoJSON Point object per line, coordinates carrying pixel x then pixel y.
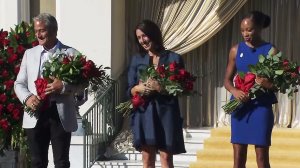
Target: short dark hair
{"type": "Point", "coordinates": [259, 19]}
{"type": "Point", "coordinates": [153, 32]}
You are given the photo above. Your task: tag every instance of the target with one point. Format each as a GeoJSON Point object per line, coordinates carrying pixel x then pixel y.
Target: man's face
{"type": "Point", "coordinates": [45, 37]}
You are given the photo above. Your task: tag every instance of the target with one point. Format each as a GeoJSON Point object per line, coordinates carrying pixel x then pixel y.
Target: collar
{"type": "Point", "coordinates": [52, 50]}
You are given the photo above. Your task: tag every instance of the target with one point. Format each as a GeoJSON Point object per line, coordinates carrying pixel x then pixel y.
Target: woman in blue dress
{"type": "Point", "coordinates": [253, 122]}
{"type": "Point", "coordinates": [157, 126]}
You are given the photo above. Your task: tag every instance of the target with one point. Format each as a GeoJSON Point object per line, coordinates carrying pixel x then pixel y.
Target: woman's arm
{"type": "Point", "coordinates": [229, 75]}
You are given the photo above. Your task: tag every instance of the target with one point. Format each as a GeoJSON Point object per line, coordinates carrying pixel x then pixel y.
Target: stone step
{"type": "Point", "coordinates": [226, 154]}
{"type": "Point", "coordinates": [134, 164]}
{"type": "Point", "coordinates": [228, 164]}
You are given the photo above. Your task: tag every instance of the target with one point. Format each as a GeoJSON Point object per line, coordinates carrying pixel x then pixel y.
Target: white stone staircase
{"type": "Point", "coordinates": [133, 159]}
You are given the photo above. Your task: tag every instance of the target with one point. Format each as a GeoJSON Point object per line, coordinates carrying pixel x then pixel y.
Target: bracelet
{"type": "Point", "coordinates": [25, 100]}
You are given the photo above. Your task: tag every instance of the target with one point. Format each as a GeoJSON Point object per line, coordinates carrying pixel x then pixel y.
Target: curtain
{"type": "Point", "coordinates": [185, 24]}
{"type": "Point", "coordinates": [203, 32]}
{"type": "Point", "coordinates": [283, 32]}
{"type": "Point", "coordinates": [188, 24]}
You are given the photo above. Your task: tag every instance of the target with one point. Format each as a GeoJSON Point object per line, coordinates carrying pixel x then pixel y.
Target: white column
{"type": "Point", "coordinates": [9, 13]}
{"type": "Point", "coordinates": [86, 26]}
{"type": "Point", "coordinates": [97, 29]}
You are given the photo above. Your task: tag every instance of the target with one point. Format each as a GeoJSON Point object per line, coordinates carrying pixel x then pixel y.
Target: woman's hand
{"type": "Point", "coordinates": [264, 82]}
{"type": "Point", "coordinates": [153, 84]}
{"type": "Point", "coordinates": [240, 95]}
{"type": "Point", "coordinates": [141, 88]}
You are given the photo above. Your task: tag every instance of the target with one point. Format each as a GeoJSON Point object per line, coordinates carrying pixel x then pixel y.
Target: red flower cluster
{"type": "Point", "coordinates": [245, 83]}
{"type": "Point", "coordinates": [75, 70]}
{"type": "Point", "coordinates": [137, 101]}
{"type": "Point", "coordinates": [173, 80]}
{"type": "Point", "coordinates": [41, 85]}
{"type": "Point", "coordinates": [12, 47]}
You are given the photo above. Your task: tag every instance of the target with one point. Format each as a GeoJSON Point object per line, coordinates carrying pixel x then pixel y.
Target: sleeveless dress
{"type": "Point", "coordinates": [158, 123]}
{"type": "Point", "coordinates": [253, 121]}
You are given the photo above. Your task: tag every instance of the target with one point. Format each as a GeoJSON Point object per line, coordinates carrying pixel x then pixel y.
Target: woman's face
{"type": "Point", "coordinates": [144, 40]}
{"type": "Point", "coordinates": [249, 31]}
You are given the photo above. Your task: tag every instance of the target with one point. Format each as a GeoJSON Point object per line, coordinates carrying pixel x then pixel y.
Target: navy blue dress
{"type": "Point", "coordinates": [158, 123]}
{"type": "Point", "coordinates": [252, 123]}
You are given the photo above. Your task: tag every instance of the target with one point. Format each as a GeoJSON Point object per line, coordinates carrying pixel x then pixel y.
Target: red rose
{"type": "Point", "coordinates": [238, 82]}
{"type": "Point", "coordinates": [35, 43]}
{"type": "Point", "coordinates": [8, 84]}
{"type": "Point", "coordinates": [20, 49]}
{"type": "Point", "coordinates": [5, 42]}
{"type": "Point", "coordinates": [285, 62]}
{"type": "Point", "coordinates": [10, 50]}
{"type": "Point", "coordinates": [189, 85]}
{"type": "Point", "coordinates": [17, 37]}
{"type": "Point", "coordinates": [12, 58]}
{"type": "Point", "coordinates": [17, 69]}
{"type": "Point", "coordinates": [27, 34]}
{"type": "Point", "coordinates": [3, 98]}
{"type": "Point", "coordinates": [83, 60]}
{"type": "Point", "coordinates": [161, 69]}
{"type": "Point", "coordinates": [4, 73]}
{"type": "Point", "coordinates": [4, 34]}
{"type": "Point", "coordinates": [249, 82]}
{"type": "Point", "coordinates": [1, 108]}
{"type": "Point", "coordinates": [182, 74]}
{"type": "Point", "coordinates": [4, 124]}
{"type": "Point", "coordinates": [173, 77]}
{"type": "Point", "coordinates": [66, 60]}
{"type": "Point", "coordinates": [293, 75]}
{"type": "Point", "coordinates": [173, 66]}
{"type": "Point", "coordinates": [137, 101]}
{"type": "Point", "coordinates": [10, 107]}
{"type": "Point", "coordinates": [88, 69]}
{"type": "Point", "coordinates": [16, 114]}
{"type": "Point", "coordinates": [41, 85]}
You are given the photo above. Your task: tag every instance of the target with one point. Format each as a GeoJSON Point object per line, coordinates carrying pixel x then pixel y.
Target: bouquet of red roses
{"type": "Point", "coordinates": [13, 44]}
{"type": "Point", "coordinates": [284, 75]}
{"type": "Point", "coordinates": [173, 80]}
{"type": "Point", "coordinates": [72, 69]}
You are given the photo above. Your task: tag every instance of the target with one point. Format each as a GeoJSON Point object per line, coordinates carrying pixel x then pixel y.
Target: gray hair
{"type": "Point", "coordinates": [49, 20]}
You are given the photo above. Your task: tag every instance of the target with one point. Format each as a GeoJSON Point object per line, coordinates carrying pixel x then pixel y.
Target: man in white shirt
{"type": "Point", "coordinates": [56, 122]}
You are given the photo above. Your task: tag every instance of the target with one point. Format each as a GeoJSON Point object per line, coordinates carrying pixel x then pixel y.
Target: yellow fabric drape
{"type": "Point", "coordinates": [188, 24]}
{"type": "Point", "coordinates": [185, 24]}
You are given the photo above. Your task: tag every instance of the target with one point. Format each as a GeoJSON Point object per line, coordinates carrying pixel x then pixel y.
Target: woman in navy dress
{"type": "Point", "coordinates": [253, 122]}
{"type": "Point", "coordinates": [158, 124]}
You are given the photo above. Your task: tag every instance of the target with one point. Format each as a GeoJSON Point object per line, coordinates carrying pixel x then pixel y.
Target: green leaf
{"type": "Point", "coordinates": [271, 51]}
{"type": "Point", "coordinates": [261, 58]}
{"type": "Point", "coordinates": [279, 72]}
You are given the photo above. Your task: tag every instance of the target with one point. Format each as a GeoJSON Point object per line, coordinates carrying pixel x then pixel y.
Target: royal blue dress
{"type": "Point", "coordinates": [252, 122]}
{"type": "Point", "coordinates": [158, 123]}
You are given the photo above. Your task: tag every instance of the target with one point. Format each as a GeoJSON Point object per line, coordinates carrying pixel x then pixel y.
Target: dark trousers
{"type": "Point", "coordinates": [49, 128]}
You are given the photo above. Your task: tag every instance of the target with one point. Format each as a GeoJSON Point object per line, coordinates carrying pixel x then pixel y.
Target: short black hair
{"type": "Point", "coordinates": [259, 19]}
{"type": "Point", "coordinates": [153, 32]}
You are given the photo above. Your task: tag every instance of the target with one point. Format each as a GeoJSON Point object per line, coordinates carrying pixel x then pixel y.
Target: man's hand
{"type": "Point", "coordinates": [55, 87]}
{"type": "Point", "coordinates": [33, 102]}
